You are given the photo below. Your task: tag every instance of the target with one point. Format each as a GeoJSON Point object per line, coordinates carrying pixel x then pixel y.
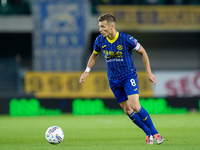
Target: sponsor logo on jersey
{"type": "Point", "coordinates": [115, 59]}
{"type": "Point", "coordinates": [135, 42]}
{"type": "Point", "coordinates": [119, 47]}
{"type": "Point", "coordinates": [104, 46]}
{"type": "Point", "coordinates": [112, 54]}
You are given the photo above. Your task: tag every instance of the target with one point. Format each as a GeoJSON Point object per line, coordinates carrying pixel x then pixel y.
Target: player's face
{"type": "Point", "coordinates": [105, 29]}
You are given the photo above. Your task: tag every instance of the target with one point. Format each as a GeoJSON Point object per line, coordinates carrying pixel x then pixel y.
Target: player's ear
{"type": "Point", "coordinates": [112, 26]}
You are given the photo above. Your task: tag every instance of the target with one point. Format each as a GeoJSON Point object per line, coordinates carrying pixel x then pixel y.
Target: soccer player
{"type": "Point", "coordinates": [117, 48]}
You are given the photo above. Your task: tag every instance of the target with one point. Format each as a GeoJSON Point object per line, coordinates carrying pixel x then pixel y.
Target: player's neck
{"type": "Point", "coordinates": [112, 35]}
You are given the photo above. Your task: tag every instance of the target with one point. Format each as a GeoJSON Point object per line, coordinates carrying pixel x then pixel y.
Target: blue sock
{"type": "Point", "coordinates": [136, 119]}
{"type": "Point", "coordinates": [144, 116]}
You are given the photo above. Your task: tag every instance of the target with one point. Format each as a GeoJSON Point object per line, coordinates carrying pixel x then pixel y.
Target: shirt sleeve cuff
{"type": "Point", "coordinates": [137, 47]}
{"type": "Point", "coordinates": [95, 52]}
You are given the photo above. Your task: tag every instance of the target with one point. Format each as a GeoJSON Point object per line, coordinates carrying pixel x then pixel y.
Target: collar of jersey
{"type": "Point", "coordinates": [115, 38]}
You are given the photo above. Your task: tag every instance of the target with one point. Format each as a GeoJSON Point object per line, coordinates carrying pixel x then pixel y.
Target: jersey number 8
{"type": "Point", "coordinates": [133, 82]}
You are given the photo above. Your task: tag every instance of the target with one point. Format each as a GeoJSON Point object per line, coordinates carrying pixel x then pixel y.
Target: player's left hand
{"type": "Point", "coordinates": [152, 78]}
{"type": "Point", "coordinates": [83, 76]}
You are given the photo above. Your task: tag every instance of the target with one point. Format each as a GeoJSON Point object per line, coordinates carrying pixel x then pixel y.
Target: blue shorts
{"type": "Point", "coordinates": [124, 87]}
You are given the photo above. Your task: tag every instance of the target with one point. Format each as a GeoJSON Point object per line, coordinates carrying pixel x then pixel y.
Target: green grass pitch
{"type": "Point", "coordinates": [100, 132]}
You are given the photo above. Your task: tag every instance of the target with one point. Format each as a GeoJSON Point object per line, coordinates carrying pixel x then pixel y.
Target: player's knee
{"type": "Point", "coordinates": [136, 108]}
{"type": "Point", "coordinates": [127, 108]}
{"type": "Point", "coordinates": [128, 111]}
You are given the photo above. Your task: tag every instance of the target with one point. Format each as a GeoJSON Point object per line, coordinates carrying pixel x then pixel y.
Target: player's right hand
{"type": "Point", "coordinates": [83, 76]}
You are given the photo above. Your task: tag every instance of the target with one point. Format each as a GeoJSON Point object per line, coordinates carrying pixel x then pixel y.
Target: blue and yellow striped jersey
{"type": "Point", "coordinates": [117, 53]}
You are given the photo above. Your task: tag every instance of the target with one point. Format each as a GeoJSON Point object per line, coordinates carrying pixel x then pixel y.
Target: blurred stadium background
{"type": "Point", "coordinates": [45, 45]}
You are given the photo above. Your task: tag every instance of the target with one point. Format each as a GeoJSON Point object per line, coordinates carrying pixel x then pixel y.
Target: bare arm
{"type": "Point", "coordinates": [146, 62]}
{"type": "Point", "coordinates": [91, 62]}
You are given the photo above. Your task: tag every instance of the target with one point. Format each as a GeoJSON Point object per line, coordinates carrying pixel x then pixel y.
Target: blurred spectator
{"type": "Point", "coordinates": [152, 2]}
{"type": "Point", "coordinates": [14, 7]}
{"type": "Point", "coordinates": [182, 2]}
{"type": "Point", "coordinates": [191, 2]}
